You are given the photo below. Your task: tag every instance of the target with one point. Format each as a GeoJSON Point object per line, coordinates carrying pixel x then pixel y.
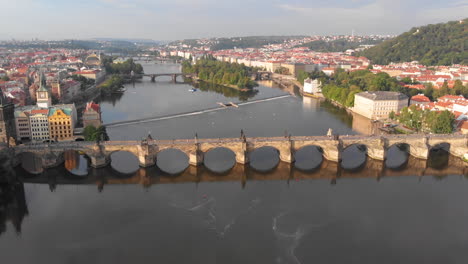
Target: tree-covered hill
{"type": "Point", "coordinates": [439, 44]}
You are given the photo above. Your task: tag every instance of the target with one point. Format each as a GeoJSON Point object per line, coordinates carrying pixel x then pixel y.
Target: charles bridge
{"type": "Point", "coordinates": [332, 147]}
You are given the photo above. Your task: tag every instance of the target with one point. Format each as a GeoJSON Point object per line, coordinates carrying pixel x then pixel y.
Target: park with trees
{"type": "Point", "coordinates": [220, 72]}
{"type": "Point", "coordinates": [425, 120]}
{"type": "Point", "coordinates": [125, 67]}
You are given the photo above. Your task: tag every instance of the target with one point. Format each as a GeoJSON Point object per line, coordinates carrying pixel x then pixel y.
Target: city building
{"type": "Point", "coordinates": [62, 120]}
{"type": "Point", "coordinates": [92, 115]}
{"type": "Point", "coordinates": [312, 87]}
{"type": "Point", "coordinates": [379, 104]}
{"type": "Point", "coordinates": [44, 99]}
{"type": "Point", "coordinates": [7, 120]}
{"type": "Point", "coordinates": [23, 127]}
{"type": "Point", "coordinates": [93, 60]}
{"type": "Point", "coordinates": [39, 124]}
{"type": "Point", "coordinates": [96, 75]}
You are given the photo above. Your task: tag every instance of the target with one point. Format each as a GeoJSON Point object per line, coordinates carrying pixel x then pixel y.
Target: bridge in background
{"type": "Point", "coordinates": [153, 76]}
{"type": "Point", "coordinates": [332, 147]}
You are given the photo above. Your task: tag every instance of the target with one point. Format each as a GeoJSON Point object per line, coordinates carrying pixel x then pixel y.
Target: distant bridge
{"type": "Point", "coordinates": [153, 76]}
{"type": "Point", "coordinates": [146, 150]}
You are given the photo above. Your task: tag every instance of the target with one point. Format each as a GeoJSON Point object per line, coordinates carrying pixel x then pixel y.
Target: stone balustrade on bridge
{"type": "Point", "coordinates": [376, 147]}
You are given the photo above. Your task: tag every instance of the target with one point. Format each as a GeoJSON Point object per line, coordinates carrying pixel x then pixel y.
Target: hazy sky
{"type": "Point", "coordinates": [180, 19]}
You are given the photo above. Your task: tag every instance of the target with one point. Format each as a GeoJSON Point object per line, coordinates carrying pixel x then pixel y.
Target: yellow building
{"type": "Point", "coordinates": [93, 60]}
{"type": "Point", "coordinates": [61, 123]}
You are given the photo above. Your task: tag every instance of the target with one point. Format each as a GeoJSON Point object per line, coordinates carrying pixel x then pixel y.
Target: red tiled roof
{"type": "Point", "coordinates": [420, 98]}
{"type": "Point", "coordinates": [94, 106]}
{"type": "Point", "coordinates": [40, 111]}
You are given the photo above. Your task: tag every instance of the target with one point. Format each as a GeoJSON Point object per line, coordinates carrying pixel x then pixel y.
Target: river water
{"type": "Point", "coordinates": [312, 212]}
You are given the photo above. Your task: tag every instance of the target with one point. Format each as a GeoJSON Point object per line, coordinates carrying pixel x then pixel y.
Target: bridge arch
{"type": "Point", "coordinates": [264, 158]}
{"type": "Point", "coordinates": [77, 162]}
{"type": "Point", "coordinates": [123, 161]}
{"type": "Point", "coordinates": [308, 157]}
{"type": "Point", "coordinates": [220, 159]}
{"type": "Point", "coordinates": [397, 155]}
{"type": "Point", "coordinates": [172, 160]}
{"type": "Point", "coordinates": [29, 161]}
{"type": "Point", "coordinates": [354, 156]}
{"type": "Point", "coordinates": [439, 155]}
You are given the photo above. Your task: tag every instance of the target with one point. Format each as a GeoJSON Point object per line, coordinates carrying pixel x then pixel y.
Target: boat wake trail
{"type": "Point", "coordinates": [186, 114]}
{"type": "Point", "coordinates": [288, 241]}
{"type": "Point", "coordinates": [207, 213]}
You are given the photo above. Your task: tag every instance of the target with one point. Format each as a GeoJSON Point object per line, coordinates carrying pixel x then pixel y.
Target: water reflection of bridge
{"type": "Point", "coordinates": [328, 170]}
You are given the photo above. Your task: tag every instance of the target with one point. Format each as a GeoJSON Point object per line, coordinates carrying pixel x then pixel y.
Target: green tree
{"type": "Point", "coordinates": [458, 88]}
{"type": "Point", "coordinates": [444, 123]}
{"type": "Point", "coordinates": [407, 80]}
{"type": "Point", "coordinates": [89, 133]}
{"type": "Point", "coordinates": [301, 76]}
{"type": "Point", "coordinates": [392, 115]}
{"type": "Point", "coordinates": [429, 91]}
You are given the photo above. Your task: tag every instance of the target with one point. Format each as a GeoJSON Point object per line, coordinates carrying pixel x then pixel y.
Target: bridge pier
{"type": "Point", "coordinates": [51, 160]}
{"type": "Point", "coordinates": [99, 160]}
{"type": "Point", "coordinates": [332, 150]}
{"type": "Point", "coordinates": [378, 151]}
{"type": "Point", "coordinates": [287, 153]}
{"type": "Point", "coordinates": [153, 78]}
{"type": "Point", "coordinates": [174, 78]}
{"type": "Point", "coordinates": [420, 150]}
{"type": "Point", "coordinates": [196, 158]}
{"type": "Point", "coordinates": [146, 160]}
{"type": "Point", "coordinates": [242, 157]}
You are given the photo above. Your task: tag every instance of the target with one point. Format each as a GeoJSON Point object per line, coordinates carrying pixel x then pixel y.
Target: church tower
{"type": "Point", "coordinates": [44, 100]}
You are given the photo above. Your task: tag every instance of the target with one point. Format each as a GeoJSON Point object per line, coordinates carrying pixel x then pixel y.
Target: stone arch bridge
{"type": "Point", "coordinates": [153, 76]}
{"type": "Point", "coordinates": [332, 147]}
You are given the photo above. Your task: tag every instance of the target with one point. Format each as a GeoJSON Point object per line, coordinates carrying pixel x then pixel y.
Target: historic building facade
{"type": "Point", "coordinates": [62, 120]}
{"type": "Point", "coordinates": [23, 127]}
{"type": "Point", "coordinates": [92, 115]}
{"type": "Point", "coordinates": [44, 99]}
{"type": "Point", "coordinates": [379, 104]}
{"type": "Point", "coordinates": [39, 124]}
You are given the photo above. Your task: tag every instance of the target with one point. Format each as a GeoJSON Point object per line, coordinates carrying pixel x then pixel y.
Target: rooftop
{"type": "Point", "coordinates": [382, 95]}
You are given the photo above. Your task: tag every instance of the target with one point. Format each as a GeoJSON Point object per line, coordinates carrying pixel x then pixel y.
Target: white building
{"type": "Point", "coordinates": [44, 100]}
{"type": "Point", "coordinates": [312, 87]}
{"type": "Point", "coordinates": [39, 120]}
{"type": "Point", "coordinates": [379, 104]}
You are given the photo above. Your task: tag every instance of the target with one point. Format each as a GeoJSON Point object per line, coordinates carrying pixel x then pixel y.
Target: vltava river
{"type": "Point", "coordinates": [403, 211]}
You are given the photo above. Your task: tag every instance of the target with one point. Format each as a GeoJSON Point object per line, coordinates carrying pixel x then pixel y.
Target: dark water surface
{"type": "Point", "coordinates": [266, 212]}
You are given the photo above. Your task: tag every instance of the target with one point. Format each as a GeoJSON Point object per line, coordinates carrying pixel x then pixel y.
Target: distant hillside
{"type": "Point", "coordinates": [440, 44]}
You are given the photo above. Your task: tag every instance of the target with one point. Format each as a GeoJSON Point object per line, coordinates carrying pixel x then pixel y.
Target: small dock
{"type": "Point", "coordinates": [230, 104]}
